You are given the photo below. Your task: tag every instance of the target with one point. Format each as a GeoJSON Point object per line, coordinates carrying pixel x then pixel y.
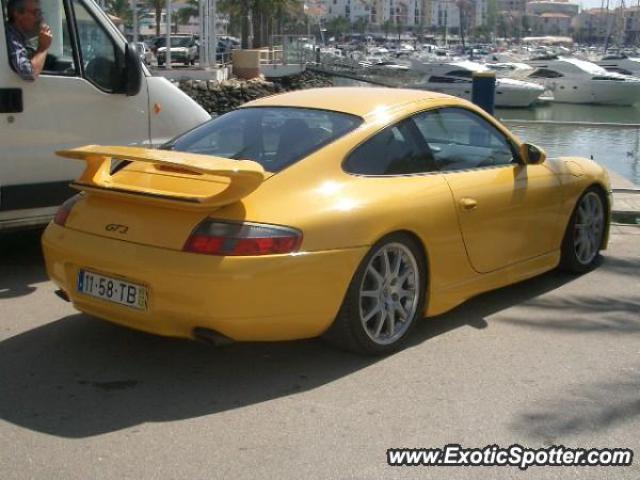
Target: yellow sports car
{"type": "Point", "coordinates": [349, 213]}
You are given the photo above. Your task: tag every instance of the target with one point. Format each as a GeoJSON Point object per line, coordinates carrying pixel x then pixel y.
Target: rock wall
{"type": "Point", "coordinates": [221, 97]}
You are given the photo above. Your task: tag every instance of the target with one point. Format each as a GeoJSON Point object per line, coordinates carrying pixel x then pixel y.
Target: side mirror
{"type": "Point", "coordinates": [532, 154]}
{"type": "Point", "coordinates": [132, 71]}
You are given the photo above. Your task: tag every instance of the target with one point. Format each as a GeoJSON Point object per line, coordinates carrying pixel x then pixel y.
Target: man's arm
{"type": "Point", "coordinates": [19, 57]}
{"type": "Point", "coordinates": [44, 42]}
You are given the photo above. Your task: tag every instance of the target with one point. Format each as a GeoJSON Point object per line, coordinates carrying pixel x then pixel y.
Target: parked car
{"type": "Point", "coordinates": [92, 89]}
{"type": "Point", "coordinates": [350, 213]}
{"type": "Point", "coordinates": [183, 50]}
{"type": "Point", "coordinates": [144, 53]}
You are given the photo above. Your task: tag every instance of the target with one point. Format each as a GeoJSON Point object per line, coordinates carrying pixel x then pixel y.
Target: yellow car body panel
{"type": "Point", "coordinates": [513, 232]}
{"type": "Point", "coordinates": [277, 297]}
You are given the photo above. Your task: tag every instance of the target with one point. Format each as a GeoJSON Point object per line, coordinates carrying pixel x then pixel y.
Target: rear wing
{"type": "Point", "coordinates": [186, 186]}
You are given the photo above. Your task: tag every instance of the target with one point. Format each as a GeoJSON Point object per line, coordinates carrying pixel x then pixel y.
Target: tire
{"type": "Point", "coordinates": [584, 235]}
{"type": "Point", "coordinates": [384, 300]}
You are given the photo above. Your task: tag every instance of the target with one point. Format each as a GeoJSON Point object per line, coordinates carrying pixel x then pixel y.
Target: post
{"type": "Point", "coordinates": [167, 54]}
{"type": "Point", "coordinates": [213, 38]}
{"type": "Point", "coordinates": [204, 34]}
{"type": "Point", "coordinates": [134, 6]}
{"type": "Point", "coordinates": [483, 91]}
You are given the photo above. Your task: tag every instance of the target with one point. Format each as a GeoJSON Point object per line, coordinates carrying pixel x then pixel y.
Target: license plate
{"type": "Point", "coordinates": [112, 289]}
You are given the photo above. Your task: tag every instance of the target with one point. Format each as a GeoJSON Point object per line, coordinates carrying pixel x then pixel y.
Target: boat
{"type": "Point", "coordinates": [455, 78]}
{"type": "Point", "coordinates": [621, 63]}
{"type": "Point", "coordinates": [578, 81]}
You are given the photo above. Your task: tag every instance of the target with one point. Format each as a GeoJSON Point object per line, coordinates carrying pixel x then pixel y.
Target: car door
{"type": "Point", "coordinates": [506, 210]}
{"type": "Point", "coordinates": [74, 102]}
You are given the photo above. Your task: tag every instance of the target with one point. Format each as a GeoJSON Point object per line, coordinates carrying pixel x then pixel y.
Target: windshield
{"type": "Point", "coordinates": [175, 42]}
{"type": "Point", "coordinates": [275, 137]}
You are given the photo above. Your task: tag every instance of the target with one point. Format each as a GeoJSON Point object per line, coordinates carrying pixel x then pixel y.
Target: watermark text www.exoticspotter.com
{"type": "Point", "coordinates": [455, 455]}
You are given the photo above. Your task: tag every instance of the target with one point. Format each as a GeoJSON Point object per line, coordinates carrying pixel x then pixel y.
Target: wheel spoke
{"type": "Point", "coordinates": [403, 312]}
{"type": "Point", "coordinates": [397, 264]}
{"type": "Point", "coordinates": [404, 293]}
{"type": "Point", "coordinates": [391, 321]}
{"type": "Point", "coordinates": [380, 324]}
{"type": "Point", "coordinates": [387, 264]}
{"type": "Point", "coordinates": [370, 293]}
{"type": "Point", "coordinates": [376, 275]}
{"type": "Point", "coordinates": [374, 311]}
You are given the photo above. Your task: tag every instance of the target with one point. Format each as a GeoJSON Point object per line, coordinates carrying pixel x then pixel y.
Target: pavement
{"type": "Point", "coordinates": [554, 360]}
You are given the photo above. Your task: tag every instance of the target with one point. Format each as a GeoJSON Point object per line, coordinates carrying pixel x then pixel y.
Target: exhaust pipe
{"type": "Point", "coordinates": [211, 337]}
{"type": "Point", "coordinates": [63, 295]}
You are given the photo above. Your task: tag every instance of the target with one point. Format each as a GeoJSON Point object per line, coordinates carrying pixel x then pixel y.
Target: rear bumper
{"type": "Point", "coordinates": [280, 297]}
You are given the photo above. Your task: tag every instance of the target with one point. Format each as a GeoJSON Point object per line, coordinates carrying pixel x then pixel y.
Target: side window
{"type": "Point", "coordinates": [461, 140]}
{"type": "Point", "coordinates": [394, 151]}
{"type": "Point", "coordinates": [60, 57]}
{"type": "Point", "coordinates": [102, 59]}
{"type": "Point", "coordinates": [545, 73]}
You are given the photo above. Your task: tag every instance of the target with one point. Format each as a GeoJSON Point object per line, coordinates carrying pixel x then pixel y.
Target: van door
{"type": "Point", "coordinates": [76, 101]}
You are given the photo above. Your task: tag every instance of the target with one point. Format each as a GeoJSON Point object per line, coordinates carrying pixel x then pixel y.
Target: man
{"type": "Point", "coordinates": [25, 21]}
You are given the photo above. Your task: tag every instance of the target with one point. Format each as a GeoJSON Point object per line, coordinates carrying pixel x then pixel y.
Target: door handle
{"type": "Point", "coordinates": [11, 100]}
{"type": "Point", "coordinates": [468, 203]}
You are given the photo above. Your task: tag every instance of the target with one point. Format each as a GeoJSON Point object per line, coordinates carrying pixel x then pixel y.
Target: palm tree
{"type": "Point", "coordinates": [261, 15]}
{"type": "Point", "coordinates": [120, 8]}
{"type": "Point", "coordinates": [191, 9]}
{"type": "Point", "coordinates": [157, 6]}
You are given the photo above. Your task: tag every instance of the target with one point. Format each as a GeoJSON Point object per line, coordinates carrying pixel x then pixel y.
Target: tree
{"type": "Point", "coordinates": [120, 8]}
{"type": "Point", "coordinates": [492, 14]}
{"type": "Point", "coordinates": [386, 27]}
{"type": "Point", "coordinates": [337, 26]}
{"type": "Point", "coordinates": [191, 9]}
{"type": "Point", "coordinates": [360, 25]}
{"type": "Point", "coordinates": [465, 8]}
{"type": "Point", "coordinates": [262, 15]}
{"type": "Point", "coordinates": [157, 6]}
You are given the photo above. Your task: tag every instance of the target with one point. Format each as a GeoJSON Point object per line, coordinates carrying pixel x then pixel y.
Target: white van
{"type": "Point", "coordinates": [93, 90]}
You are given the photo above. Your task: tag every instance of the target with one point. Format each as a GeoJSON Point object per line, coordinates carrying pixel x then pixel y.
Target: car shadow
{"type": "Point", "coordinates": [21, 263]}
{"type": "Point", "coordinates": [78, 377]}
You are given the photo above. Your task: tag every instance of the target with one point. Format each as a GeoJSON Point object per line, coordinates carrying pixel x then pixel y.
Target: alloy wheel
{"type": "Point", "coordinates": [588, 228]}
{"type": "Point", "coordinates": [389, 293]}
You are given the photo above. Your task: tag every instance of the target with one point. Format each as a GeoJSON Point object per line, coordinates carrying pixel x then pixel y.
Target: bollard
{"type": "Point", "coordinates": [483, 91]}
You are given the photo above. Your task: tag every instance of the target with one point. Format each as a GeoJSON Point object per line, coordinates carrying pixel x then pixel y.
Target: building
{"type": "Point", "coordinates": [593, 25]}
{"type": "Point", "coordinates": [551, 17]}
{"type": "Point", "coordinates": [425, 14]}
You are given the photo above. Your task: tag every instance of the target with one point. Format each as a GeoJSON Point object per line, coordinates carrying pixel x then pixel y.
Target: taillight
{"type": "Point", "coordinates": [65, 209]}
{"type": "Point", "coordinates": [213, 237]}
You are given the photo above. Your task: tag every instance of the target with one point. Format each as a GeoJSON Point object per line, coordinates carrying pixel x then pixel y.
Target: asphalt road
{"type": "Point", "coordinates": [551, 361]}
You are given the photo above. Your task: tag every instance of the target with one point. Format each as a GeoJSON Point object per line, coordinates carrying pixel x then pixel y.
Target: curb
{"type": "Point", "coordinates": [626, 217]}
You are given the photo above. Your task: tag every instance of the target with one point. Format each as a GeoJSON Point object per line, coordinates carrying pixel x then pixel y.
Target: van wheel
{"type": "Point", "coordinates": [583, 238]}
{"type": "Point", "coordinates": [384, 300]}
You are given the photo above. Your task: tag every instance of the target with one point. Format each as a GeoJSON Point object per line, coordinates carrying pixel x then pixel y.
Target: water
{"type": "Point", "coordinates": [613, 138]}
{"type": "Point", "coordinates": [611, 135]}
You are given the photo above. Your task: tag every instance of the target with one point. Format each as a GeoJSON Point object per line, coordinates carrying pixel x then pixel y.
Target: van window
{"type": "Point", "coordinates": [60, 58]}
{"type": "Point", "coordinates": [102, 59]}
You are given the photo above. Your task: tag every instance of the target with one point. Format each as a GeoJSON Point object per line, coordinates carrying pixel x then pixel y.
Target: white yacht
{"type": "Point", "coordinates": [455, 78]}
{"type": "Point", "coordinates": [620, 63]}
{"type": "Point", "coordinates": [577, 81]}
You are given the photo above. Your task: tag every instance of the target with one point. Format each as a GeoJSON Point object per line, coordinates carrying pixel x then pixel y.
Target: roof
{"type": "Point", "coordinates": [361, 101]}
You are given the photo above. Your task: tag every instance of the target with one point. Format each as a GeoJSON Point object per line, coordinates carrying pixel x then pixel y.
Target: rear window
{"type": "Point", "coordinates": [275, 137]}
